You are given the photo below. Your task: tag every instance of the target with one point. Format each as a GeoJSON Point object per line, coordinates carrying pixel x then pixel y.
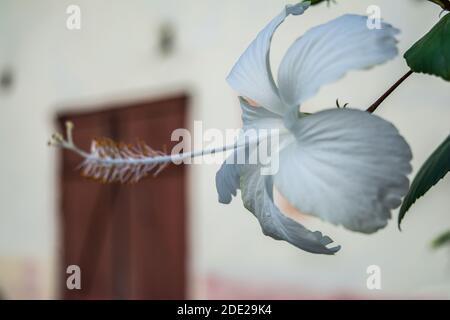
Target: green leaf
{"type": "Point", "coordinates": [434, 169]}
{"type": "Point", "coordinates": [444, 4]}
{"type": "Point", "coordinates": [431, 54]}
{"type": "Point", "coordinates": [441, 240]}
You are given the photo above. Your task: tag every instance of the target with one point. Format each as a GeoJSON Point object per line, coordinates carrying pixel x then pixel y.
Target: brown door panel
{"type": "Point", "coordinates": [129, 240]}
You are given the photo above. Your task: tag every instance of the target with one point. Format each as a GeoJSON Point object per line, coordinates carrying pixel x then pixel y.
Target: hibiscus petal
{"type": "Point", "coordinates": [259, 118]}
{"type": "Point", "coordinates": [258, 198]}
{"type": "Point", "coordinates": [326, 52]}
{"type": "Point", "coordinates": [347, 167]}
{"type": "Point", "coordinates": [227, 180]}
{"type": "Point", "coordinates": [257, 195]}
{"type": "Point", "coordinates": [251, 75]}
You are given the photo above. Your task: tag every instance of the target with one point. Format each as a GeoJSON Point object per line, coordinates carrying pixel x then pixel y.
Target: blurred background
{"type": "Point", "coordinates": [141, 68]}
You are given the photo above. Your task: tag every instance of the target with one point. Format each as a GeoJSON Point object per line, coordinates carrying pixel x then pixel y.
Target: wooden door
{"type": "Point", "coordinates": [128, 240]}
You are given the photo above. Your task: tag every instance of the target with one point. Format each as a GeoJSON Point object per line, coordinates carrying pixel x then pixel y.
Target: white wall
{"type": "Point", "coordinates": [114, 56]}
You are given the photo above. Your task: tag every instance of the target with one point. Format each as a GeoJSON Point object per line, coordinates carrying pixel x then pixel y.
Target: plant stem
{"type": "Point", "coordinates": [375, 105]}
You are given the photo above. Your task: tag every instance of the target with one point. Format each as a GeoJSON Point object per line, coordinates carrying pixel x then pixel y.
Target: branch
{"type": "Point", "coordinates": [375, 105]}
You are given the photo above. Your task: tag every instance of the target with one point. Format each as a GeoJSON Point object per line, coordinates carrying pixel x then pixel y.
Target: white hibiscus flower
{"type": "Point", "coordinates": [345, 166]}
